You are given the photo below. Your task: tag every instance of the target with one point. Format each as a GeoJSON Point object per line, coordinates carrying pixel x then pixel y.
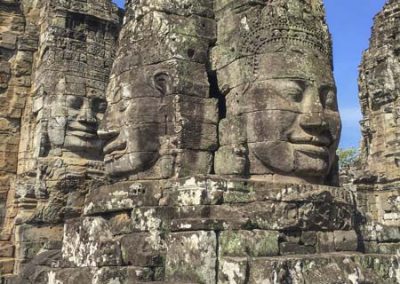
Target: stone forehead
{"type": "Point", "coordinates": [295, 64]}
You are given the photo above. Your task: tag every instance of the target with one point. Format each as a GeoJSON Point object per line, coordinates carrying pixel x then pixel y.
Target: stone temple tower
{"type": "Point", "coordinates": [379, 96]}
{"type": "Point", "coordinates": [378, 182]}
{"type": "Point", "coordinates": [194, 141]}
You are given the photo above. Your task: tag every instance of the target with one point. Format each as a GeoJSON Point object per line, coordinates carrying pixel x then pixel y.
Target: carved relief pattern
{"type": "Point", "coordinates": [67, 52]}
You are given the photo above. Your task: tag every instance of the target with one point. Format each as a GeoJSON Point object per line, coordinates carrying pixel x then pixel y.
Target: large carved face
{"type": "Point", "coordinates": [134, 123]}
{"type": "Point", "coordinates": [73, 123]}
{"type": "Point", "coordinates": [293, 125]}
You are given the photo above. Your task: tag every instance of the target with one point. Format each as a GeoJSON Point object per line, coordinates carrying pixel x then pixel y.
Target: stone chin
{"type": "Point", "coordinates": [298, 160]}
{"type": "Point", "coordinates": [312, 161]}
{"type": "Point", "coordinates": [129, 164]}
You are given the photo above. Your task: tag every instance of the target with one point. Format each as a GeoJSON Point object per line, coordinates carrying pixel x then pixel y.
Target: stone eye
{"type": "Point", "coordinates": [99, 105]}
{"type": "Point", "coordinates": [295, 95]}
{"type": "Point", "coordinates": [74, 102]}
{"type": "Point", "coordinates": [295, 90]}
{"type": "Point", "coordinates": [328, 98]}
{"type": "Point", "coordinates": [162, 82]}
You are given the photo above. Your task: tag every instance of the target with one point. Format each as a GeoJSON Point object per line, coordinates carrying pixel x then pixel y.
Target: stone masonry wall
{"type": "Point", "coordinates": [16, 50]}
{"type": "Point", "coordinates": [67, 50]}
{"type": "Point", "coordinates": [213, 230]}
{"type": "Point", "coordinates": [377, 182]}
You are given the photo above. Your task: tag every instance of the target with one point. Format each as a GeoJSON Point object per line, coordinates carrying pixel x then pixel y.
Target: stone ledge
{"type": "Point", "coordinates": [324, 268]}
{"type": "Point", "coordinates": [207, 190]}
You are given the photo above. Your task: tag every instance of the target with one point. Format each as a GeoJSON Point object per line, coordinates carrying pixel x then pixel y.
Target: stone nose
{"type": "Point", "coordinates": [86, 115]}
{"type": "Point", "coordinates": [106, 126]}
{"type": "Point", "coordinates": [313, 122]}
{"type": "Point", "coordinates": [316, 128]}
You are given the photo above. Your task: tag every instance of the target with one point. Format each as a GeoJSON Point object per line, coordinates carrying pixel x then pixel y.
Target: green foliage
{"type": "Point", "coordinates": [348, 157]}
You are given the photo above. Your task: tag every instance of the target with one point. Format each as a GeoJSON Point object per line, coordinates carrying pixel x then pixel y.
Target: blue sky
{"type": "Point", "coordinates": [350, 22]}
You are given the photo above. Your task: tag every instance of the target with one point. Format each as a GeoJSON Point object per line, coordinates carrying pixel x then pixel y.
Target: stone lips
{"type": "Point", "coordinates": [63, 51]}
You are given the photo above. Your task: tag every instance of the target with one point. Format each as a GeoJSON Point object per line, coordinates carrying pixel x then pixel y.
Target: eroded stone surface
{"type": "Point", "coordinates": [189, 142]}
{"type": "Point", "coordinates": [192, 257]}
{"type": "Point", "coordinates": [161, 121]}
{"type": "Point", "coordinates": [281, 121]}
{"type": "Point", "coordinates": [376, 178]}
{"type": "Point", "coordinates": [379, 89]}
{"type": "Point", "coordinates": [326, 269]}
{"type": "Point", "coordinates": [17, 44]}
{"type": "Point", "coordinates": [55, 62]}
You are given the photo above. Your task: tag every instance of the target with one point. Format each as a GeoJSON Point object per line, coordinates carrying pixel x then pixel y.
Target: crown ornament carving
{"type": "Point", "coordinates": [265, 23]}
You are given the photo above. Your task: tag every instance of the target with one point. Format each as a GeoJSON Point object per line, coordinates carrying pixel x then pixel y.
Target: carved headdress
{"type": "Point", "coordinates": [268, 24]}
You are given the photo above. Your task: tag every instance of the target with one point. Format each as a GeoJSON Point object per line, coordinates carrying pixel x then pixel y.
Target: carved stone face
{"type": "Point", "coordinates": [134, 123]}
{"type": "Point", "coordinates": [74, 121]}
{"type": "Point", "coordinates": [293, 124]}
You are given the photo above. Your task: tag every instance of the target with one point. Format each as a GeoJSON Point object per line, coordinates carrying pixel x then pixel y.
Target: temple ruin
{"type": "Point", "coordinates": [191, 141]}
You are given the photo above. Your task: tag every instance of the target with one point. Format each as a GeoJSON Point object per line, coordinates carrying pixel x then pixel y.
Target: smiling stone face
{"type": "Point", "coordinates": [74, 121]}
{"type": "Point", "coordinates": [286, 119]}
{"type": "Point", "coordinates": [274, 67]}
{"type": "Point", "coordinates": [134, 123]}
{"type": "Point", "coordinates": [291, 115]}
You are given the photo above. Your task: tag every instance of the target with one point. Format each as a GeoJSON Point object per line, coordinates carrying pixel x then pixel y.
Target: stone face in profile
{"type": "Point", "coordinates": [134, 123]}
{"type": "Point", "coordinates": [165, 214]}
{"type": "Point", "coordinates": [275, 70]}
{"type": "Point", "coordinates": [161, 122]}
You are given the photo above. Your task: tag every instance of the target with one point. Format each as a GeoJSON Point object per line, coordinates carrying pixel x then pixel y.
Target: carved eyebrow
{"type": "Point", "coordinates": [328, 86]}
{"type": "Point", "coordinates": [292, 78]}
{"type": "Point", "coordinates": [302, 83]}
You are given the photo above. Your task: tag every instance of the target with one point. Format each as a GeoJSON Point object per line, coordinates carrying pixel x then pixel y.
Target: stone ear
{"type": "Point", "coordinates": [162, 82]}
